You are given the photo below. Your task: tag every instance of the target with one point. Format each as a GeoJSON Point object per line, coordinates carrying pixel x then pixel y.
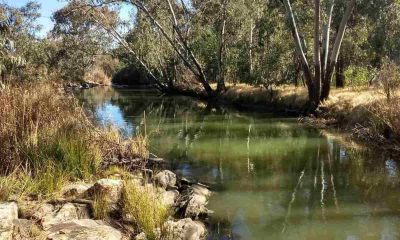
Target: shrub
{"type": "Point", "coordinates": [358, 75]}
{"type": "Point", "coordinates": [389, 78]}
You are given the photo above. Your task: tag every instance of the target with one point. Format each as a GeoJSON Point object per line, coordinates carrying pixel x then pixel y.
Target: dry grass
{"type": "Point", "coordinates": [97, 75]}
{"type": "Point", "coordinates": [367, 114]}
{"type": "Point", "coordinates": [285, 96]}
{"type": "Point", "coordinates": [46, 140]}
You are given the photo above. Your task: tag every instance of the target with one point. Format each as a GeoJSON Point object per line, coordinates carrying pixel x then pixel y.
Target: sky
{"type": "Point", "coordinates": [49, 6]}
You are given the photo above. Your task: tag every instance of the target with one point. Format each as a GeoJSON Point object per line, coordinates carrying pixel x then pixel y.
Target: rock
{"type": "Point", "coordinates": [169, 197]}
{"type": "Point", "coordinates": [76, 190]}
{"type": "Point", "coordinates": [193, 201]}
{"type": "Point", "coordinates": [185, 229]}
{"type": "Point", "coordinates": [83, 229]}
{"type": "Point", "coordinates": [82, 211]}
{"type": "Point", "coordinates": [42, 210]}
{"type": "Point", "coordinates": [8, 213]}
{"type": "Point", "coordinates": [141, 236]}
{"type": "Point", "coordinates": [25, 229]}
{"type": "Point", "coordinates": [111, 188]}
{"type": "Point", "coordinates": [66, 213]}
{"type": "Point", "coordinates": [165, 178]}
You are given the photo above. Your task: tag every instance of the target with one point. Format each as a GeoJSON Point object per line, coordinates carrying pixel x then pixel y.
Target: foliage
{"type": "Point", "coordinates": [389, 78]}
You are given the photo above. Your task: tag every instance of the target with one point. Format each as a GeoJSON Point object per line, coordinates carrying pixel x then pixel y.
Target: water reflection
{"type": "Point", "coordinates": [275, 179]}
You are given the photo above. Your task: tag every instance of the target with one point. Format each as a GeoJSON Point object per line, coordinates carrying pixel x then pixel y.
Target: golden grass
{"type": "Point", "coordinates": [46, 140]}
{"type": "Point", "coordinates": [97, 75]}
{"type": "Point", "coordinates": [285, 95]}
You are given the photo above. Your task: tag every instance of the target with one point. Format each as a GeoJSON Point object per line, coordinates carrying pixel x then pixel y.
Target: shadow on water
{"type": "Point", "coordinates": [274, 178]}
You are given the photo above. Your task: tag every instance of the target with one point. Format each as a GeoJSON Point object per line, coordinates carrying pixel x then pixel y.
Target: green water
{"type": "Point", "coordinates": [273, 178]}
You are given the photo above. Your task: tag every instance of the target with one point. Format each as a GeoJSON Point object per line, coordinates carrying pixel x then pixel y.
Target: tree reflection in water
{"type": "Point", "coordinates": [274, 178]}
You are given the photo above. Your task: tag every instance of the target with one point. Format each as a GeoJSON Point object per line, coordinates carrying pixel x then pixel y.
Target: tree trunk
{"type": "Point", "coordinates": [317, 51]}
{"type": "Point", "coordinates": [326, 83]}
{"type": "Point", "coordinates": [340, 78]}
{"type": "Point", "coordinates": [221, 52]}
{"type": "Point", "coordinates": [251, 48]}
{"type": "Point", "coordinates": [300, 52]}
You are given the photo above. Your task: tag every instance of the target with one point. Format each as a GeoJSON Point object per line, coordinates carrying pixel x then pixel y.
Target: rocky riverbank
{"type": "Point", "coordinates": [72, 215]}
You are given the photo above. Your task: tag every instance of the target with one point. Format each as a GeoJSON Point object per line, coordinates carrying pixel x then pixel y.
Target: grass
{"type": "Point", "coordinates": [146, 209]}
{"type": "Point", "coordinates": [101, 206]}
{"type": "Point", "coordinates": [46, 141]}
{"type": "Point", "coordinates": [284, 96]}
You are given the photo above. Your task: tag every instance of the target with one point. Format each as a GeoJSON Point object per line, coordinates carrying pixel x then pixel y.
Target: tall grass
{"type": "Point", "coordinates": [46, 140]}
{"type": "Point", "coordinates": [146, 209]}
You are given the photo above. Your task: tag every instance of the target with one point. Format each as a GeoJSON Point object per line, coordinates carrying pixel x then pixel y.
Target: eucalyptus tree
{"type": "Point", "coordinates": [17, 29]}
{"type": "Point", "coordinates": [324, 56]}
{"type": "Point", "coordinates": [78, 40]}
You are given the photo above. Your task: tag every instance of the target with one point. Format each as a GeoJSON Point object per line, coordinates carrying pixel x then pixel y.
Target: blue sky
{"type": "Point", "coordinates": [49, 6]}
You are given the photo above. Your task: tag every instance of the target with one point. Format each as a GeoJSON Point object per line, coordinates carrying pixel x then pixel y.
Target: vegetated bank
{"type": "Point", "coordinates": [365, 112]}
{"type": "Point", "coordinates": [61, 176]}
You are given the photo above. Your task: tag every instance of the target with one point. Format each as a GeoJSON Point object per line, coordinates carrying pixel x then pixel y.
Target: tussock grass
{"type": "Point", "coordinates": [46, 140]}
{"type": "Point", "coordinates": [368, 114]}
{"type": "Point", "coordinates": [147, 211]}
{"type": "Point", "coordinates": [101, 206]}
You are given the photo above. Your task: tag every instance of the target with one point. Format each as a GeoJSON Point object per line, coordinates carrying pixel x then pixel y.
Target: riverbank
{"type": "Point", "coordinates": [61, 176]}
{"type": "Point", "coordinates": [365, 113]}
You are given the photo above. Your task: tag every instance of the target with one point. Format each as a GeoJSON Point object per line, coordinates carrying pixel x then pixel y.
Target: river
{"type": "Point", "coordinates": [273, 178]}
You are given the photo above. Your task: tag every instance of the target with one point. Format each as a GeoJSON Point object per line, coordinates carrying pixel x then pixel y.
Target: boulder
{"type": "Point", "coordinates": [25, 229]}
{"type": "Point", "coordinates": [111, 188]}
{"type": "Point", "coordinates": [83, 211]}
{"type": "Point", "coordinates": [66, 213]}
{"type": "Point", "coordinates": [169, 197]}
{"type": "Point", "coordinates": [83, 229]}
{"type": "Point", "coordinates": [185, 229]}
{"type": "Point", "coordinates": [193, 202]}
{"type": "Point", "coordinates": [41, 210]}
{"type": "Point", "coordinates": [8, 213]}
{"type": "Point", "coordinates": [141, 236]}
{"type": "Point", "coordinates": [75, 190]}
{"type": "Point", "coordinates": [165, 179]}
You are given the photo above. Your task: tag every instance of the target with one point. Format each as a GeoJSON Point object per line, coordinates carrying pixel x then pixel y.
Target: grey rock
{"type": "Point", "coordinates": [165, 179]}
{"type": "Point", "coordinates": [82, 211]}
{"type": "Point", "coordinates": [25, 229]}
{"type": "Point", "coordinates": [83, 229]}
{"type": "Point", "coordinates": [66, 213]}
{"type": "Point", "coordinates": [8, 213]}
{"type": "Point", "coordinates": [169, 197]}
{"type": "Point", "coordinates": [141, 236]}
{"type": "Point", "coordinates": [185, 229]}
{"type": "Point", "coordinates": [42, 210]}
{"type": "Point", "coordinates": [111, 188]}
{"type": "Point", "coordinates": [75, 190]}
{"type": "Point", "coordinates": [193, 202]}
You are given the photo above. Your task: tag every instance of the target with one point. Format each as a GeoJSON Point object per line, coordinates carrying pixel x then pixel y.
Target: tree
{"type": "Point", "coordinates": [79, 40]}
{"type": "Point", "coordinates": [318, 84]}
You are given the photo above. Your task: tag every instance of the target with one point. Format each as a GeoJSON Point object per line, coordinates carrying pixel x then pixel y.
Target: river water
{"type": "Point", "coordinates": [273, 178]}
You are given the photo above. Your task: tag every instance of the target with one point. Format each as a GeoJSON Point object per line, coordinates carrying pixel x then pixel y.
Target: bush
{"type": "Point", "coordinates": [359, 75]}
{"type": "Point", "coordinates": [389, 78]}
